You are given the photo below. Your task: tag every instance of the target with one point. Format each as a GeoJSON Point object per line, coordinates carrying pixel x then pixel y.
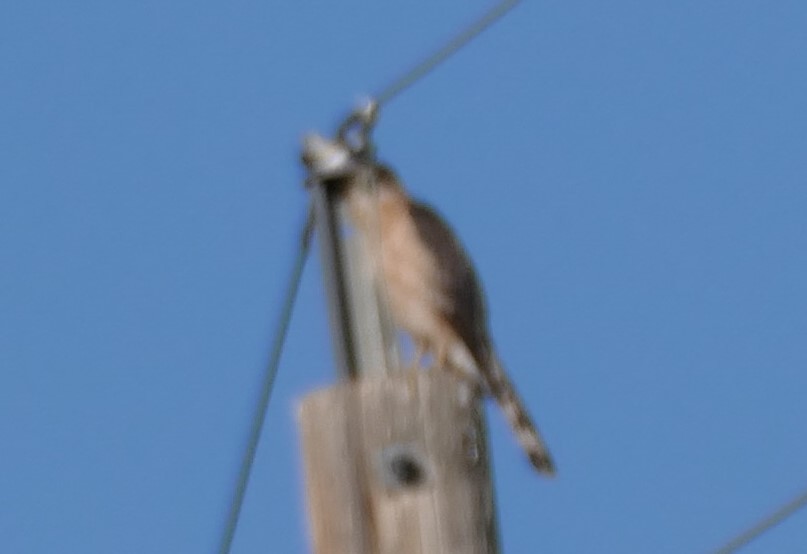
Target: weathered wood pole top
{"type": "Point", "coordinates": [397, 465]}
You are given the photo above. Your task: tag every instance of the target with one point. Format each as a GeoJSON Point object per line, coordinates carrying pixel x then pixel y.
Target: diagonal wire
{"type": "Point", "coordinates": [451, 47]}
{"type": "Point", "coordinates": [764, 525]}
{"type": "Point", "coordinates": [266, 391]}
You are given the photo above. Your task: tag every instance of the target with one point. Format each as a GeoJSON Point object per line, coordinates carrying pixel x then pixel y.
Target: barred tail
{"type": "Point", "coordinates": [527, 434]}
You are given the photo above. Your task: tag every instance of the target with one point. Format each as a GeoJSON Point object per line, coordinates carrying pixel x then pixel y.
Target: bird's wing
{"type": "Point", "coordinates": [465, 309]}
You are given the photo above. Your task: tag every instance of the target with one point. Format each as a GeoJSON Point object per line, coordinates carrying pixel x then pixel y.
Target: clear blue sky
{"type": "Point", "coordinates": [630, 177]}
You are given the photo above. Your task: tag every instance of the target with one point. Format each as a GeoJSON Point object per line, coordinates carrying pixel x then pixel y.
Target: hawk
{"type": "Point", "coordinates": [431, 285]}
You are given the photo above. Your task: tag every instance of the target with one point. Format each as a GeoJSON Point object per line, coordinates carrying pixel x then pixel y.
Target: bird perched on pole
{"type": "Point", "coordinates": [428, 279]}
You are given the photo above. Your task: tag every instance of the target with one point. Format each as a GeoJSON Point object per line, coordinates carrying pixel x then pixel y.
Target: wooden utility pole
{"type": "Point", "coordinates": [396, 461]}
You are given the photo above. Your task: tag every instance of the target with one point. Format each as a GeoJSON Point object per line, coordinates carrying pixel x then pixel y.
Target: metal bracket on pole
{"type": "Point", "coordinates": [362, 334]}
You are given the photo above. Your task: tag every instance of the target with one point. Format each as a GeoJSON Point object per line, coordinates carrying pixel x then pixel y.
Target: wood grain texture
{"type": "Point", "coordinates": [398, 465]}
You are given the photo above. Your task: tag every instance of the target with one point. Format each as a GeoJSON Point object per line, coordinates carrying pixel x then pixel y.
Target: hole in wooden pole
{"type": "Point", "coordinates": [403, 466]}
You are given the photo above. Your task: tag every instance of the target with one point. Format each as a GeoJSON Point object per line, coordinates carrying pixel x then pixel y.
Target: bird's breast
{"type": "Point", "coordinates": [406, 266]}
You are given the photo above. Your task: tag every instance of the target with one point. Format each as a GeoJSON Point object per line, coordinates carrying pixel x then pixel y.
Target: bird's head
{"type": "Point", "coordinates": [333, 163]}
{"type": "Point", "coordinates": [327, 159]}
